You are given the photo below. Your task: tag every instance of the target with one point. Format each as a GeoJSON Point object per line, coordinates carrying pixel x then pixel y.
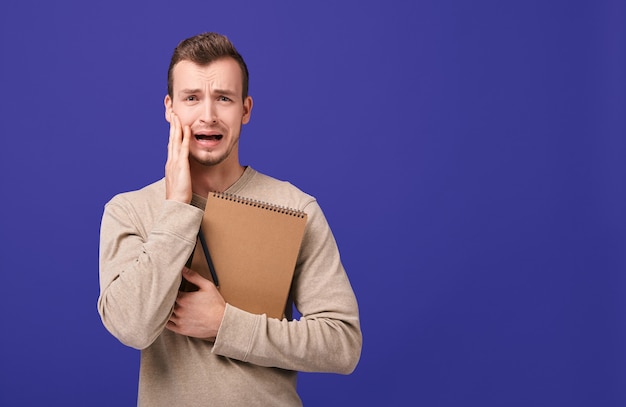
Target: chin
{"type": "Point", "coordinates": [208, 160]}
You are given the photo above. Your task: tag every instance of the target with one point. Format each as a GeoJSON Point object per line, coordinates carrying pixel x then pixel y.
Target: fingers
{"type": "Point", "coordinates": [177, 171]}
{"type": "Point", "coordinates": [173, 145]}
{"type": "Point", "coordinates": [196, 279]}
{"type": "Point", "coordinates": [184, 146]}
{"type": "Point", "coordinates": [178, 144]}
{"type": "Point", "coordinates": [198, 314]}
{"type": "Point", "coordinates": [172, 327]}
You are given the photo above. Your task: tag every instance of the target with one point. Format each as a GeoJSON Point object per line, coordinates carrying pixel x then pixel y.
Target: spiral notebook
{"type": "Point", "coordinates": [253, 247]}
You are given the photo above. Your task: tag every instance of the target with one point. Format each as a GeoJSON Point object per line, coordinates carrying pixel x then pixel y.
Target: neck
{"type": "Point", "coordinates": [214, 178]}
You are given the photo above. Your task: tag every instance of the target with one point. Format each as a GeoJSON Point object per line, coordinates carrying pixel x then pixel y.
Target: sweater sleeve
{"type": "Point", "coordinates": [140, 267]}
{"type": "Point", "coordinates": [327, 338]}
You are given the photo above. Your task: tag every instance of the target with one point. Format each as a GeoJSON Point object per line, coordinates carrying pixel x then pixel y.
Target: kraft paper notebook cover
{"type": "Point", "coordinates": [253, 247]}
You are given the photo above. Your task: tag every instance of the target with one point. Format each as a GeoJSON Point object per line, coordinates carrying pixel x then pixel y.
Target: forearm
{"type": "Point", "coordinates": [326, 342]}
{"type": "Point", "coordinates": [140, 270]}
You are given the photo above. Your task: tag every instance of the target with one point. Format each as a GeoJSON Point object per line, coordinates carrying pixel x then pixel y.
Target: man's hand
{"type": "Point", "coordinates": [199, 313]}
{"type": "Point", "coordinates": [177, 172]}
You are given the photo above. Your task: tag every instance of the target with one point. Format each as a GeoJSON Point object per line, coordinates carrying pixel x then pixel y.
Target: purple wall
{"type": "Point", "coordinates": [470, 158]}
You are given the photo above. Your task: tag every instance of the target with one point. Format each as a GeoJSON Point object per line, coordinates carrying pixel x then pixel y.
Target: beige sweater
{"type": "Point", "coordinates": [145, 242]}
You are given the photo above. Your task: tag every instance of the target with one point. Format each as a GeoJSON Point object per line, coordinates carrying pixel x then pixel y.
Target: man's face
{"type": "Point", "coordinates": [208, 99]}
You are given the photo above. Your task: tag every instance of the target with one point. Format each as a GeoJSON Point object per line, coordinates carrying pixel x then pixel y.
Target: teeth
{"type": "Point", "coordinates": [208, 137]}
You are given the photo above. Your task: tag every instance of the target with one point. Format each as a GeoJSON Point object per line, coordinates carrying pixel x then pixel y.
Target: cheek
{"type": "Point", "coordinates": [234, 117]}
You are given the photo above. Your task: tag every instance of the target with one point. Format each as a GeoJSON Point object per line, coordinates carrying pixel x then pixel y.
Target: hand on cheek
{"type": "Point", "coordinates": [177, 172]}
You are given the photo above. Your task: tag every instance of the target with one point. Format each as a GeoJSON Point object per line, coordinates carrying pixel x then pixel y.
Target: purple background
{"type": "Point", "coordinates": [469, 156]}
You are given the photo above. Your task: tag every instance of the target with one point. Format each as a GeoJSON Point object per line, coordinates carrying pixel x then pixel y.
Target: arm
{"type": "Point", "coordinates": [140, 271]}
{"type": "Point", "coordinates": [141, 258]}
{"type": "Point", "coordinates": [326, 339]}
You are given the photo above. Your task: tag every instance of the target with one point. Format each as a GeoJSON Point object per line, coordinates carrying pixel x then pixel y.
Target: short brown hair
{"type": "Point", "coordinates": [203, 49]}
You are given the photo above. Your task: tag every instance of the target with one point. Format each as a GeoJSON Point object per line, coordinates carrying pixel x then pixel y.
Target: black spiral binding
{"type": "Point", "coordinates": [259, 204]}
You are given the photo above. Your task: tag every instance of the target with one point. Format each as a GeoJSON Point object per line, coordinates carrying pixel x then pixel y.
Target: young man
{"type": "Point", "coordinates": [196, 349]}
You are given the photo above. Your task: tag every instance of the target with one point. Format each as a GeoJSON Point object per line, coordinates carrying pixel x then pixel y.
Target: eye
{"type": "Point", "coordinates": [191, 98]}
{"type": "Point", "coordinates": [224, 99]}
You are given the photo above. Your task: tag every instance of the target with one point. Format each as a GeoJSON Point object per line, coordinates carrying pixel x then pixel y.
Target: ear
{"type": "Point", "coordinates": [247, 110]}
{"type": "Point", "coordinates": [168, 107]}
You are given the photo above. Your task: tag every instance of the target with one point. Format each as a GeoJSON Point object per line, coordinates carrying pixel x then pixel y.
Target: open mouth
{"type": "Point", "coordinates": [208, 137]}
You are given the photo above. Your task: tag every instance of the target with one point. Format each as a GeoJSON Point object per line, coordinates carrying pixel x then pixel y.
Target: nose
{"type": "Point", "coordinates": [209, 113]}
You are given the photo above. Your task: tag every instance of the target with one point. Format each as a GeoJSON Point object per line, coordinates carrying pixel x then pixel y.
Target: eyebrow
{"type": "Point", "coordinates": [189, 91]}
{"type": "Point", "coordinates": [224, 92]}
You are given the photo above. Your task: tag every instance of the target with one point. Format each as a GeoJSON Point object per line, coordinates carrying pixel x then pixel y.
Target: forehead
{"type": "Point", "coordinates": [222, 73]}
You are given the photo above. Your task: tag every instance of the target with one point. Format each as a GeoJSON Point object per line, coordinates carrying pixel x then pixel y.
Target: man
{"type": "Point", "coordinates": [196, 349]}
